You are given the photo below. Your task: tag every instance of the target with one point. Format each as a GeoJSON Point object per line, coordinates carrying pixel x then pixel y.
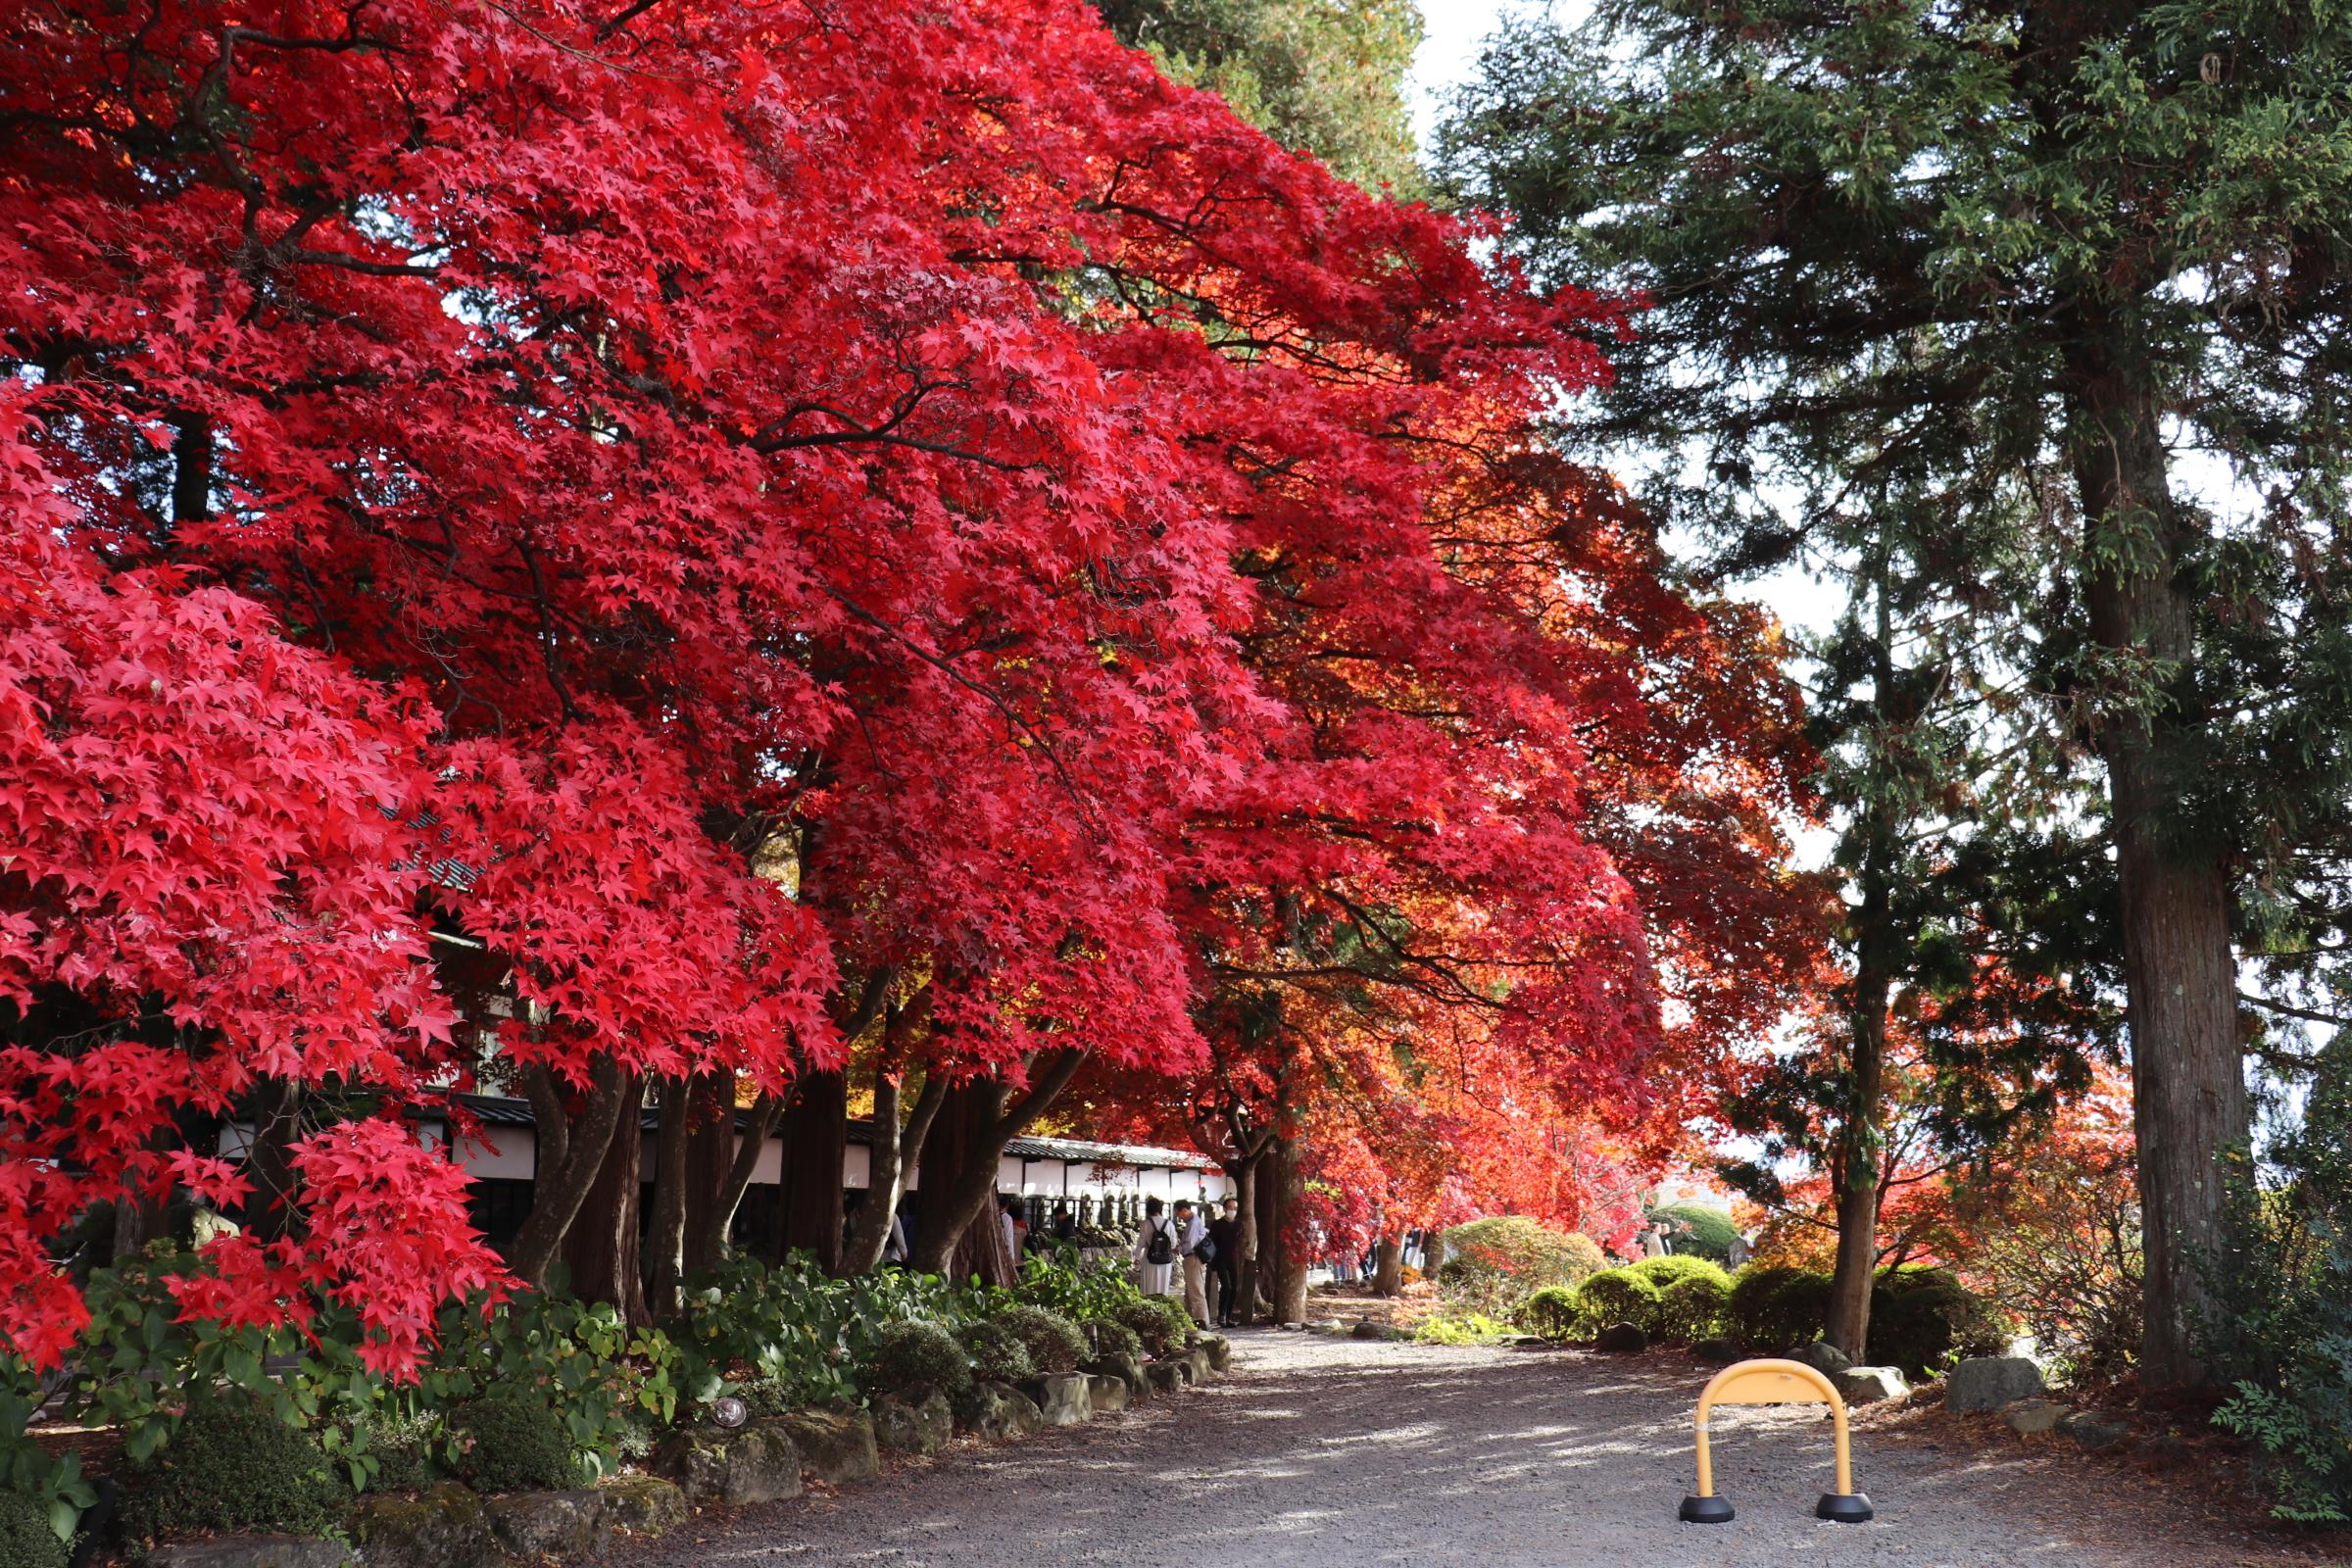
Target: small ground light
{"type": "Point", "coordinates": [730, 1411]}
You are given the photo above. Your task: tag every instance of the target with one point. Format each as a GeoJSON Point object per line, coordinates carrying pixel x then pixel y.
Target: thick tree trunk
{"type": "Point", "coordinates": [1388, 1267]}
{"type": "Point", "coordinates": [895, 1154]}
{"type": "Point", "coordinates": [959, 1179]}
{"type": "Point", "coordinates": [603, 1249]}
{"type": "Point", "coordinates": [1290, 1271]}
{"type": "Point", "coordinates": [2172, 872]}
{"type": "Point", "coordinates": [814, 1131]}
{"type": "Point", "coordinates": [712, 1199]}
{"type": "Point", "coordinates": [270, 1161]}
{"type": "Point", "coordinates": [1267, 1211]}
{"type": "Point", "coordinates": [665, 1233]}
{"type": "Point", "coordinates": [1246, 1249]}
{"type": "Point", "coordinates": [571, 1148]}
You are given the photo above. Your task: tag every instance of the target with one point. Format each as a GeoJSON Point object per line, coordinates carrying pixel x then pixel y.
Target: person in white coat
{"type": "Point", "coordinates": [1155, 1251]}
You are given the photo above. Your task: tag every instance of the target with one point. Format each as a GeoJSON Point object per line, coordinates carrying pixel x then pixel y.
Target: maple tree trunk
{"type": "Point", "coordinates": [814, 1130]}
{"type": "Point", "coordinates": [1290, 1269]}
{"type": "Point", "coordinates": [571, 1148]}
{"type": "Point", "coordinates": [1267, 1211]}
{"type": "Point", "coordinates": [603, 1249]}
{"type": "Point", "coordinates": [2179, 974]}
{"type": "Point", "coordinates": [269, 1161]}
{"type": "Point", "coordinates": [960, 1173]}
{"type": "Point", "coordinates": [1388, 1267]}
{"type": "Point", "coordinates": [1246, 1249]}
{"type": "Point", "coordinates": [894, 1155]}
{"type": "Point", "coordinates": [665, 1232]}
{"type": "Point", "coordinates": [711, 1197]}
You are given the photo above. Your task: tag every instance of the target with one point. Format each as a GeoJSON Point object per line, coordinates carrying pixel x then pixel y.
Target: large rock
{"type": "Point", "coordinates": [1220, 1350]}
{"type": "Point", "coordinates": [1203, 1369]}
{"type": "Point", "coordinates": [1167, 1377]}
{"type": "Point", "coordinates": [836, 1446]}
{"type": "Point", "coordinates": [917, 1429]}
{"type": "Point", "coordinates": [1001, 1411]}
{"type": "Point", "coordinates": [2095, 1429]}
{"type": "Point", "coordinates": [2035, 1416]}
{"type": "Point", "coordinates": [1128, 1369]}
{"type": "Point", "coordinates": [646, 1504]}
{"type": "Point", "coordinates": [1823, 1357]}
{"type": "Point", "coordinates": [1106, 1394]}
{"type": "Point", "coordinates": [562, 1524]}
{"type": "Point", "coordinates": [750, 1464]}
{"type": "Point", "coordinates": [1621, 1338]}
{"type": "Point", "coordinates": [1063, 1400]}
{"type": "Point", "coordinates": [251, 1551]}
{"type": "Point", "coordinates": [446, 1527]}
{"type": "Point", "coordinates": [1869, 1384]}
{"type": "Point", "coordinates": [1988, 1382]}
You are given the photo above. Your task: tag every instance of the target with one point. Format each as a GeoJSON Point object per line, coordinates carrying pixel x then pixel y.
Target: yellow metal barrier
{"type": "Point", "coordinates": [1773, 1383]}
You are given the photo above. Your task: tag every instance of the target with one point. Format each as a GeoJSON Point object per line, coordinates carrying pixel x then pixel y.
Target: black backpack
{"type": "Point", "coordinates": [1161, 1249]}
{"type": "Point", "coordinates": [1207, 1250]}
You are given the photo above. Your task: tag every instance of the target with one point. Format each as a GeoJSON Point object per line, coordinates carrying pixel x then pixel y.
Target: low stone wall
{"type": "Point", "coordinates": [765, 1462]}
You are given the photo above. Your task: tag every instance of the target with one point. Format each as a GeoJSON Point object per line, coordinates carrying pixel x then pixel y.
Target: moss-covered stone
{"type": "Point", "coordinates": [998, 1410]}
{"type": "Point", "coordinates": [250, 1551]}
{"type": "Point", "coordinates": [567, 1525]}
{"type": "Point", "coordinates": [758, 1464]}
{"type": "Point", "coordinates": [914, 1427]}
{"type": "Point", "coordinates": [446, 1527]}
{"type": "Point", "coordinates": [645, 1504]}
{"type": "Point", "coordinates": [836, 1446]}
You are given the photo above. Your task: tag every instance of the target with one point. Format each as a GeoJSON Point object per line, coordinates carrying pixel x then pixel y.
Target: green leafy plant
{"type": "Point", "coordinates": [1693, 1308]}
{"type": "Point", "coordinates": [1491, 1264]}
{"type": "Point", "coordinates": [1698, 1231]}
{"type": "Point", "coordinates": [1923, 1320]}
{"type": "Point", "coordinates": [1462, 1328]}
{"type": "Point", "coordinates": [25, 1539]}
{"type": "Point", "coordinates": [1619, 1295]}
{"type": "Point", "coordinates": [1557, 1312]}
{"type": "Point", "coordinates": [1777, 1309]}
{"type": "Point", "coordinates": [1054, 1345]}
{"type": "Point", "coordinates": [917, 1358]}
{"type": "Point", "coordinates": [1111, 1338]}
{"type": "Point", "coordinates": [232, 1463]}
{"type": "Point", "coordinates": [512, 1438]}
{"type": "Point", "coordinates": [998, 1354]}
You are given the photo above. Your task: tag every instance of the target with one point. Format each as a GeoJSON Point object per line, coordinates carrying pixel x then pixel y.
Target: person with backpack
{"type": "Point", "coordinates": [1155, 1251]}
{"type": "Point", "coordinates": [1192, 1235]}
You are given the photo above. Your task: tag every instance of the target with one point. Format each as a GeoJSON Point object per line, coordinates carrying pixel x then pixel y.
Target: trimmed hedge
{"type": "Point", "coordinates": [1556, 1312]}
{"type": "Point", "coordinates": [997, 1354]}
{"type": "Point", "coordinates": [232, 1465]}
{"type": "Point", "coordinates": [1923, 1320]}
{"type": "Point", "coordinates": [1618, 1295]}
{"type": "Point", "coordinates": [1777, 1309]}
{"type": "Point", "coordinates": [25, 1539]}
{"type": "Point", "coordinates": [513, 1440]}
{"type": "Point", "coordinates": [1665, 1271]}
{"type": "Point", "coordinates": [915, 1358]}
{"type": "Point", "coordinates": [1053, 1342]}
{"type": "Point", "coordinates": [1693, 1308]}
{"type": "Point", "coordinates": [1698, 1230]}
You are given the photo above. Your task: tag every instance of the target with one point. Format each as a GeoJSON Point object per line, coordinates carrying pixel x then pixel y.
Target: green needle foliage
{"type": "Point", "coordinates": [2024, 324]}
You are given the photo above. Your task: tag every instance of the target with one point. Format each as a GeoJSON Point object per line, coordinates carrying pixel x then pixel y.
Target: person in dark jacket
{"type": "Point", "coordinates": [1225, 1233]}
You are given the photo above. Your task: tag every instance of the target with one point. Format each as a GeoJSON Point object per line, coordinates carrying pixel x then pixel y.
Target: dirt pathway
{"type": "Point", "coordinates": [1345, 1453]}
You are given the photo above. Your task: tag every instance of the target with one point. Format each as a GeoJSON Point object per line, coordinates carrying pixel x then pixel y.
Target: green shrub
{"type": "Point", "coordinates": [1693, 1308]}
{"type": "Point", "coordinates": [1556, 1312]}
{"type": "Point", "coordinates": [1053, 1342]}
{"type": "Point", "coordinates": [231, 1465]}
{"type": "Point", "coordinates": [1664, 1271]}
{"type": "Point", "coordinates": [2279, 1329]}
{"type": "Point", "coordinates": [402, 1447]}
{"type": "Point", "coordinates": [510, 1437]}
{"type": "Point", "coordinates": [1111, 1338]}
{"type": "Point", "coordinates": [1493, 1264]}
{"type": "Point", "coordinates": [914, 1359]}
{"type": "Point", "coordinates": [1923, 1320]}
{"type": "Point", "coordinates": [1619, 1295]}
{"type": "Point", "coordinates": [25, 1539]}
{"type": "Point", "coordinates": [1469, 1328]}
{"type": "Point", "coordinates": [1777, 1309]}
{"type": "Point", "coordinates": [997, 1354]}
{"type": "Point", "coordinates": [1698, 1231]}
{"type": "Point", "coordinates": [1160, 1323]}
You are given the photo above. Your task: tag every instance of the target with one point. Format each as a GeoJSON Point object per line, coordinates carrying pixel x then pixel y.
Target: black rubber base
{"type": "Point", "coordinates": [1847, 1508]}
{"type": "Point", "coordinates": [1706, 1511]}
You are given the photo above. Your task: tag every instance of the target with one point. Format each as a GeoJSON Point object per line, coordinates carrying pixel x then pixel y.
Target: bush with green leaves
{"type": "Point", "coordinates": [1692, 1308]}
{"type": "Point", "coordinates": [1112, 1338]}
{"type": "Point", "coordinates": [1777, 1309]}
{"type": "Point", "coordinates": [1460, 1328]}
{"type": "Point", "coordinates": [1664, 1271]}
{"type": "Point", "coordinates": [915, 1359]}
{"type": "Point", "coordinates": [232, 1463]}
{"type": "Point", "coordinates": [1161, 1324]}
{"type": "Point", "coordinates": [1080, 1291]}
{"type": "Point", "coordinates": [2278, 1328]}
{"type": "Point", "coordinates": [1493, 1264]}
{"type": "Point", "coordinates": [997, 1353]}
{"type": "Point", "coordinates": [510, 1437]}
{"type": "Point", "coordinates": [1557, 1312]}
{"type": "Point", "coordinates": [1619, 1295]}
{"type": "Point", "coordinates": [1053, 1342]}
{"type": "Point", "coordinates": [25, 1539]}
{"type": "Point", "coordinates": [1695, 1230]}
{"type": "Point", "coordinates": [1924, 1320]}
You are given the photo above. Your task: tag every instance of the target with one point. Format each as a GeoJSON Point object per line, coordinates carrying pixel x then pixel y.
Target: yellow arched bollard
{"type": "Point", "coordinates": [1772, 1383]}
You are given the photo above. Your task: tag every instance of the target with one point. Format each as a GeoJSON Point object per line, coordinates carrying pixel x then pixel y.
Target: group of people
{"type": "Point", "coordinates": [1201, 1244]}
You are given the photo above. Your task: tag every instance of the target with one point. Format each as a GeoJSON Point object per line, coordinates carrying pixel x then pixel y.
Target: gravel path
{"type": "Point", "coordinates": [1345, 1453]}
